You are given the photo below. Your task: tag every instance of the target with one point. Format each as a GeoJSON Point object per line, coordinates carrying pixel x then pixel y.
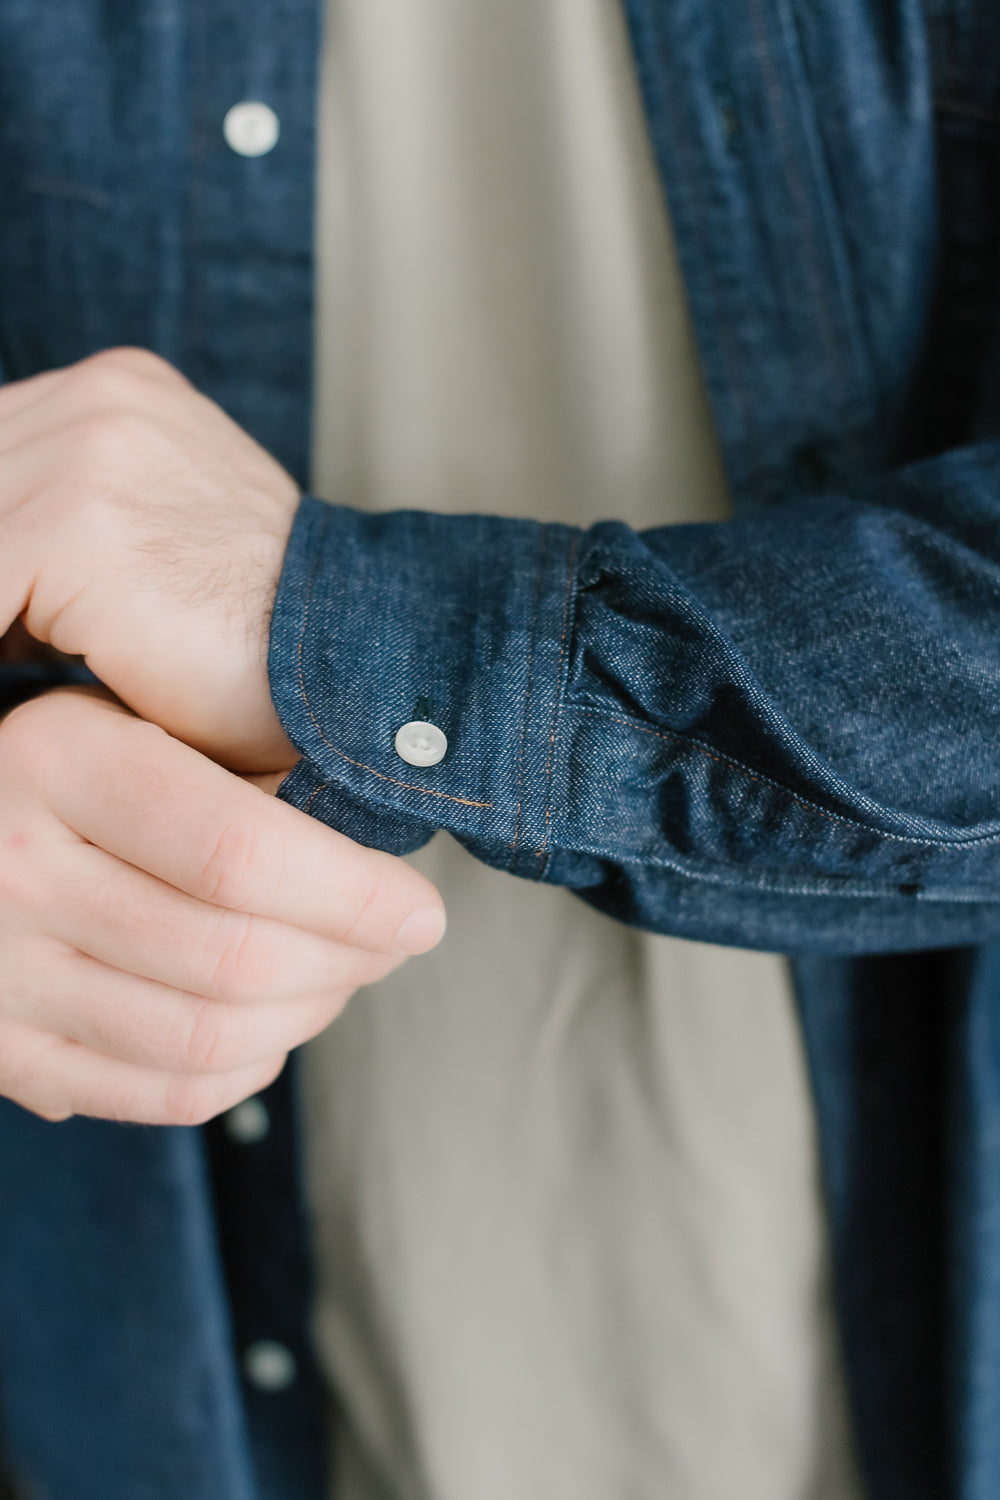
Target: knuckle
{"type": "Point", "coordinates": [244, 962]}
{"type": "Point", "coordinates": [107, 440]}
{"type": "Point", "coordinates": [228, 875]}
{"type": "Point", "coordinates": [209, 1043]}
{"type": "Point", "coordinates": [127, 361]}
{"type": "Point", "coordinates": [201, 1042]}
{"type": "Point", "coordinates": [367, 893]}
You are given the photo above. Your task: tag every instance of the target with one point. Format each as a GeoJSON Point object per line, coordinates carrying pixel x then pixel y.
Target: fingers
{"type": "Point", "coordinates": [131, 921]}
{"type": "Point", "coordinates": [57, 1078]}
{"type": "Point", "coordinates": [156, 804]}
{"type": "Point", "coordinates": [138, 1021]}
{"type": "Point", "coordinates": [161, 909]}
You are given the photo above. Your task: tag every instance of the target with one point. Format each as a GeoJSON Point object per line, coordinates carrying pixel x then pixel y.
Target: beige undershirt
{"type": "Point", "coordinates": [563, 1174]}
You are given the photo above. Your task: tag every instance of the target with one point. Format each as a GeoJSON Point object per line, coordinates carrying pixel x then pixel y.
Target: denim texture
{"type": "Point", "coordinates": [734, 733]}
{"type": "Point", "coordinates": [136, 1265]}
{"type": "Point", "coordinates": [778, 732]}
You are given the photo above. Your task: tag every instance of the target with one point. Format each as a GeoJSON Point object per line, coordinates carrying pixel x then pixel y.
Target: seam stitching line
{"type": "Point", "coordinates": [570, 562]}
{"type": "Point", "coordinates": [527, 691]}
{"type": "Point", "coordinates": [314, 794]}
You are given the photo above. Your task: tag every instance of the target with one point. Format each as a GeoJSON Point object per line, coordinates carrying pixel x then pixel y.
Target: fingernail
{"type": "Point", "coordinates": [422, 929]}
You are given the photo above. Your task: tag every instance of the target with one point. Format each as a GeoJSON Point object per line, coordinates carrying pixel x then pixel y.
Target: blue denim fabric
{"type": "Point", "coordinates": [135, 1265]}
{"type": "Point", "coordinates": [741, 733]}
{"type": "Point", "coordinates": [778, 732]}
{"type": "Point", "coordinates": [92, 1383]}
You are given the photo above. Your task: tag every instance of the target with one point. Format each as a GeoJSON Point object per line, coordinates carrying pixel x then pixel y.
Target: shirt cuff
{"type": "Point", "coordinates": [460, 621]}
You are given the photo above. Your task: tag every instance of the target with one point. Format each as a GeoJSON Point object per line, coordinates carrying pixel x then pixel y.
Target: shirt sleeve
{"type": "Point", "coordinates": [779, 731]}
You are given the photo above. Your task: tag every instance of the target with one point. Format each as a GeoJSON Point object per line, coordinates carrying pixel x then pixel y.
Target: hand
{"type": "Point", "coordinates": [168, 932]}
{"type": "Point", "coordinates": [143, 530]}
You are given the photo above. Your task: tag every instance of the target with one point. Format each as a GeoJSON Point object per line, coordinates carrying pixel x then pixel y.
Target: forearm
{"type": "Point", "coordinates": [777, 732]}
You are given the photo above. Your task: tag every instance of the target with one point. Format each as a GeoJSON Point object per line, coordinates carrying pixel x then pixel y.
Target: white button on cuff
{"type": "Point", "coordinates": [421, 744]}
{"type": "Point", "coordinates": [269, 1366]}
{"type": "Point", "coordinates": [251, 128]}
{"type": "Point", "coordinates": [247, 1123]}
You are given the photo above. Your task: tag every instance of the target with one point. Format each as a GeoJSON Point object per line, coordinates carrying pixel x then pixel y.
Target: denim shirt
{"type": "Point", "coordinates": [776, 732]}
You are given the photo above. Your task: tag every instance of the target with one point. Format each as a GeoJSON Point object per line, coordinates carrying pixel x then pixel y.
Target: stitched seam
{"type": "Point", "coordinates": [406, 785]}
{"type": "Point", "coordinates": [314, 794]}
{"type": "Point", "coordinates": [558, 703]}
{"type": "Point", "coordinates": [527, 691]}
{"type": "Point", "coordinates": [734, 765]}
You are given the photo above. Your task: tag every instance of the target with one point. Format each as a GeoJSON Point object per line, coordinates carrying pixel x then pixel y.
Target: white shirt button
{"type": "Point", "coordinates": [251, 128]}
{"type": "Point", "coordinates": [269, 1366]}
{"type": "Point", "coordinates": [421, 744]}
{"type": "Point", "coordinates": [247, 1123]}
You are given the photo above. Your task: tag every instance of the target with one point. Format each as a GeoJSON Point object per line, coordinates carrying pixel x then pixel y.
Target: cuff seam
{"type": "Point", "coordinates": [543, 853]}
{"type": "Point", "coordinates": [542, 547]}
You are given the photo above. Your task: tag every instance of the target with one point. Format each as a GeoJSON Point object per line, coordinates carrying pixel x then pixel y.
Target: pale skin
{"type": "Point", "coordinates": [168, 932]}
